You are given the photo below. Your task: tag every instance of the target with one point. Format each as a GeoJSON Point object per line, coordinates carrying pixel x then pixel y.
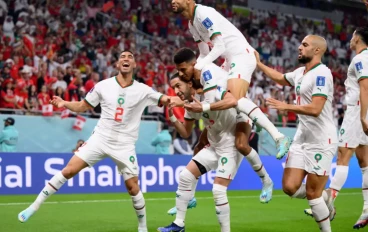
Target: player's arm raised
{"type": "Point", "coordinates": [184, 129]}
{"type": "Point", "coordinates": [271, 73]}
{"type": "Point", "coordinates": [363, 83]}
{"type": "Point", "coordinates": [75, 106]}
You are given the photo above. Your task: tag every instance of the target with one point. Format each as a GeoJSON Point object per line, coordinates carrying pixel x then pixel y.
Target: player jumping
{"type": "Point", "coordinates": [315, 141]}
{"type": "Point", "coordinates": [220, 154]}
{"type": "Point", "coordinates": [352, 137]}
{"type": "Point", "coordinates": [122, 100]}
{"type": "Point", "coordinates": [211, 30]}
{"type": "Point", "coordinates": [208, 79]}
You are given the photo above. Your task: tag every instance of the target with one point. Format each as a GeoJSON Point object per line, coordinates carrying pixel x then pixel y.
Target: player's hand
{"type": "Point", "coordinates": [175, 102]}
{"type": "Point", "coordinates": [57, 102]}
{"type": "Point", "coordinates": [257, 57]}
{"type": "Point", "coordinates": [276, 104]}
{"type": "Point", "coordinates": [365, 126]}
{"type": "Point", "coordinates": [195, 106]}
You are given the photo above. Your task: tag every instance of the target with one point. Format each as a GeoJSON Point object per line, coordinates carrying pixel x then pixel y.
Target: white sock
{"type": "Point", "coordinates": [321, 214]}
{"type": "Point", "coordinates": [139, 205]}
{"type": "Point", "coordinates": [365, 187]}
{"type": "Point", "coordinates": [184, 195]}
{"type": "Point", "coordinates": [194, 187]}
{"type": "Point", "coordinates": [339, 179]}
{"type": "Point", "coordinates": [248, 107]}
{"type": "Point", "coordinates": [301, 193]}
{"type": "Point", "coordinates": [54, 185]}
{"type": "Point", "coordinates": [256, 163]}
{"type": "Point", "coordinates": [222, 206]}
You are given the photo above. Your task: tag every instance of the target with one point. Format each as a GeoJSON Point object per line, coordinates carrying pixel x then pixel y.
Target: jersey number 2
{"type": "Point", "coordinates": [119, 114]}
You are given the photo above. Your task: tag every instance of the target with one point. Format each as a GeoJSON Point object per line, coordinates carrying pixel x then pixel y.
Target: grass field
{"type": "Point", "coordinates": [114, 213]}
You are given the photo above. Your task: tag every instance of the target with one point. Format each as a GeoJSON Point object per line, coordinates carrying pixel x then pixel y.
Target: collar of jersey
{"type": "Point", "coordinates": [195, 8]}
{"type": "Point", "coordinates": [124, 86]}
{"type": "Point", "coordinates": [365, 49]}
{"type": "Point", "coordinates": [315, 66]}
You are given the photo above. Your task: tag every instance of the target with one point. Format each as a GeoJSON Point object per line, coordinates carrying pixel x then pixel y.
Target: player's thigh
{"type": "Point", "coordinates": [237, 87]}
{"type": "Point", "coordinates": [91, 152]}
{"type": "Point", "coordinates": [294, 172]}
{"type": "Point", "coordinates": [315, 185]}
{"type": "Point", "coordinates": [125, 159]}
{"type": "Point", "coordinates": [351, 128]}
{"type": "Point", "coordinates": [222, 181]}
{"type": "Point", "coordinates": [344, 155]}
{"type": "Point", "coordinates": [362, 155]}
{"type": "Point", "coordinates": [319, 158]}
{"type": "Point", "coordinates": [227, 163]}
{"type": "Point", "coordinates": [204, 161]}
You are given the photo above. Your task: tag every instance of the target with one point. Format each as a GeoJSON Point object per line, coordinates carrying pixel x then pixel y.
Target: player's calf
{"type": "Point", "coordinates": [222, 206]}
{"type": "Point", "coordinates": [320, 213]}
{"type": "Point", "coordinates": [139, 203]}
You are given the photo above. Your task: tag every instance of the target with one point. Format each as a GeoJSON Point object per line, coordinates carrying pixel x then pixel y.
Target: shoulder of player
{"type": "Point", "coordinates": [208, 74]}
{"type": "Point", "coordinates": [202, 12]}
{"type": "Point", "coordinates": [107, 82]}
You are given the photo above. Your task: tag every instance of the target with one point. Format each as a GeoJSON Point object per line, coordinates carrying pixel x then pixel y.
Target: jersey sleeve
{"type": "Point", "coordinates": [93, 97]}
{"type": "Point", "coordinates": [360, 68]}
{"type": "Point", "coordinates": [209, 21]}
{"type": "Point", "coordinates": [190, 116]}
{"type": "Point", "coordinates": [290, 78]}
{"type": "Point", "coordinates": [220, 93]}
{"type": "Point", "coordinates": [153, 97]}
{"type": "Point", "coordinates": [322, 85]}
{"type": "Point", "coordinates": [195, 34]}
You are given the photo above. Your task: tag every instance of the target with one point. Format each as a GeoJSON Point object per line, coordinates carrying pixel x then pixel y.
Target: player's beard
{"type": "Point", "coordinates": [179, 10]}
{"type": "Point", "coordinates": [304, 59]}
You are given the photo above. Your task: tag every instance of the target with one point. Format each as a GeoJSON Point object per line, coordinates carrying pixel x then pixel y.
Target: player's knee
{"type": "Point", "coordinates": [219, 194]}
{"type": "Point", "coordinates": [243, 147]}
{"type": "Point", "coordinates": [133, 189]}
{"type": "Point", "coordinates": [69, 171]}
{"type": "Point", "coordinates": [312, 193]}
{"type": "Point", "coordinates": [186, 178]}
{"type": "Point", "coordinates": [289, 189]}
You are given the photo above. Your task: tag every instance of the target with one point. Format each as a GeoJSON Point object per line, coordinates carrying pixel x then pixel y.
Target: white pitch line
{"type": "Point", "coordinates": [147, 199]}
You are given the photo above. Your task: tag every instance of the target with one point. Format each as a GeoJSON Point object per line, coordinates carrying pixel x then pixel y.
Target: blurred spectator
{"type": "Point", "coordinates": [9, 136]}
{"type": "Point", "coordinates": [162, 141]}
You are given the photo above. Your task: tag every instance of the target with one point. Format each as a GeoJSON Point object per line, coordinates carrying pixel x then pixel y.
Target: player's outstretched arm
{"type": "Point", "coordinates": [228, 101]}
{"type": "Point", "coordinates": [217, 50]}
{"type": "Point", "coordinates": [202, 142]}
{"type": "Point", "coordinates": [313, 109]}
{"type": "Point", "coordinates": [271, 73]}
{"type": "Point", "coordinates": [363, 83]}
{"type": "Point", "coordinates": [77, 106]}
{"type": "Point", "coordinates": [184, 129]}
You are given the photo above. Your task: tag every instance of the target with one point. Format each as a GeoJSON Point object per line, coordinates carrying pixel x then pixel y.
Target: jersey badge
{"type": "Point", "coordinates": [207, 23]}
{"type": "Point", "coordinates": [207, 75]}
{"type": "Point", "coordinates": [321, 81]}
{"type": "Point", "coordinates": [359, 66]}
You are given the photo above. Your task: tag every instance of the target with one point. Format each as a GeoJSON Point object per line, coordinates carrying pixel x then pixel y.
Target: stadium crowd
{"type": "Point", "coordinates": [64, 48]}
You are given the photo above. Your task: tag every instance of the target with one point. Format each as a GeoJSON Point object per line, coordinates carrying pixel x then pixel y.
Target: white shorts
{"type": "Point", "coordinates": [351, 134]}
{"type": "Point", "coordinates": [96, 148]}
{"type": "Point", "coordinates": [241, 66]}
{"type": "Point", "coordinates": [315, 159]}
{"type": "Point", "coordinates": [226, 163]}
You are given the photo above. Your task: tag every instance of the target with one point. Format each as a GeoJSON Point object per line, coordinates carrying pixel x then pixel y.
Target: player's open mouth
{"type": "Point", "coordinates": [126, 65]}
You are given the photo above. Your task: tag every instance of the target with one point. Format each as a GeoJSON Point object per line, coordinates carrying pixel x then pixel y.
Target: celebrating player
{"type": "Point", "coordinates": [208, 79]}
{"type": "Point", "coordinates": [351, 137]}
{"type": "Point", "coordinates": [211, 30]}
{"type": "Point", "coordinates": [219, 154]}
{"type": "Point", "coordinates": [122, 100]}
{"type": "Point", "coordinates": [315, 141]}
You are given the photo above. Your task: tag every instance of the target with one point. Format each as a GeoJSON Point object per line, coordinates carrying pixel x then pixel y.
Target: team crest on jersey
{"type": "Point", "coordinates": [359, 66]}
{"type": "Point", "coordinates": [321, 81]}
{"type": "Point", "coordinates": [207, 75]}
{"type": "Point", "coordinates": [207, 23]}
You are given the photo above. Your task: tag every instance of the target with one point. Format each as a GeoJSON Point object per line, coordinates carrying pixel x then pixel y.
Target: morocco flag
{"type": "Point", "coordinates": [79, 122]}
{"type": "Point", "coordinates": [47, 110]}
{"type": "Point", "coordinates": [65, 113]}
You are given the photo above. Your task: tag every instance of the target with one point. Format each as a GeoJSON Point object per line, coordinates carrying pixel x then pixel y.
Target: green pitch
{"type": "Point", "coordinates": [114, 213]}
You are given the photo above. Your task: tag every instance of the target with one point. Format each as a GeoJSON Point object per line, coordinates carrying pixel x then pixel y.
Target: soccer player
{"type": "Point", "coordinates": [208, 79]}
{"type": "Point", "coordinates": [211, 30]}
{"type": "Point", "coordinates": [351, 137]}
{"type": "Point", "coordinates": [219, 154]}
{"type": "Point", "coordinates": [122, 100]}
{"type": "Point", "coordinates": [315, 141]}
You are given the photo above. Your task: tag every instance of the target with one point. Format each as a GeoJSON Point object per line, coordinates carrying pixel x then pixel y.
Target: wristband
{"type": "Point", "coordinates": [206, 107]}
{"type": "Point", "coordinates": [173, 119]}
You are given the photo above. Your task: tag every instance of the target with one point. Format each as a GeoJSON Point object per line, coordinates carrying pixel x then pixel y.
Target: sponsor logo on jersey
{"type": "Point", "coordinates": [321, 81]}
{"type": "Point", "coordinates": [207, 23]}
{"type": "Point", "coordinates": [207, 75]}
{"type": "Point", "coordinates": [359, 66]}
{"type": "Point", "coordinates": [222, 170]}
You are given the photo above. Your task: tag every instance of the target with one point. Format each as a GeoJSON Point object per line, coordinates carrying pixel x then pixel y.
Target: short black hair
{"type": "Point", "coordinates": [184, 55]}
{"type": "Point", "coordinates": [363, 33]}
{"type": "Point", "coordinates": [126, 50]}
{"type": "Point", "coordinates": [175, 75]}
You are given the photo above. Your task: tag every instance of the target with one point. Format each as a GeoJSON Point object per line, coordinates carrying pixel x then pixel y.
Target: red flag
{"type": "Point", "coordinates": [47, 110]}
{"type": "Point", "coordinates": [65, 113]}
{"type": "Point", "coordinates": [28, 42]}
{"type": "Point", "coordinates": [79, 122]}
